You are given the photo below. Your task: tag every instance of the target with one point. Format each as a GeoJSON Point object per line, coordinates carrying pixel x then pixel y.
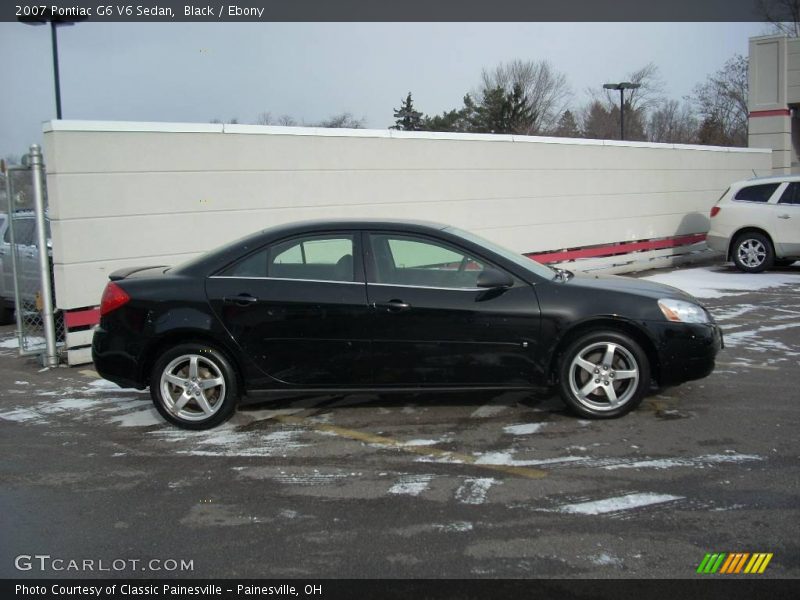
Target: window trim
{"type": "Point", "coordinates": [358, 269]}
{"type": "Point", "coordinates": [371, 267]}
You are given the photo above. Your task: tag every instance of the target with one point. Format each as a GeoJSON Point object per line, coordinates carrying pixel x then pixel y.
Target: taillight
{"type": "Point", "coordinates": [113, 297]}
{"type": "Point", "coordinates": [715, 211]}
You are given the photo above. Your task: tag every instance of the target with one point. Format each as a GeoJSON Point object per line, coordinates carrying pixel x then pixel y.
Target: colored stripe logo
{"type": "Point", "coordinates": [734, 563]}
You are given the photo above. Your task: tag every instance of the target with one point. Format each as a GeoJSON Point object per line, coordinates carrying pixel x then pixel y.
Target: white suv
{"type": "Point", "coordinates": [756, 223]}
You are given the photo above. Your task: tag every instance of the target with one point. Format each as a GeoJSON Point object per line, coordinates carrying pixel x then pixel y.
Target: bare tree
{"type": "Point", "coordinates": [342, 120]}
{"type": "Point", "coordinates": [545, 90]}
{"type": "Point", "coordinates": [721, 103]}
{"type": "Point", "coordinates": [783, 15]}
{"type": "Point", "coordinates": [673, 122]}
{"type": "Point", "coordinates": [265, 118]}
{"type": "Point", "coordinates": [287, 121]}
{"type": "Point", "coordinates": [649, 94]}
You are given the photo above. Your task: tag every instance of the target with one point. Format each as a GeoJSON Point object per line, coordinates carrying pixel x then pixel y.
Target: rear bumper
{"type": "Point", "coordinates": [115, 360]}
{"type": "Point", "coordinates": [717, 242]}
{"type": "Point", "coordinates": [687, 351]}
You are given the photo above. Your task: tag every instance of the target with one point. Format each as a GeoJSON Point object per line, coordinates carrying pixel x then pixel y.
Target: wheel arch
{"type": "Point", "coordinates": [747, 229]}
{"type": "Point", "coordinates": [187, 336]}
{"type": "Point", "coordinates": [637, 333]}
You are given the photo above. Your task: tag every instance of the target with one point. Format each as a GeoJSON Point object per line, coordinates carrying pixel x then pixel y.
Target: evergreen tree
{"type": "Point", "coordinates": [567, 126]}
{"type": "Point", "coordinates": [407, 119]}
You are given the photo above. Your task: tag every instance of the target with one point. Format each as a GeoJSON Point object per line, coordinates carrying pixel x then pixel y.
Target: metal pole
{"type": "Point", "coordinates": [621, 113]}
{"type": "Point", "coordinates": [54, 38]}
{"type": "Point", "coordinates": [50, 358]}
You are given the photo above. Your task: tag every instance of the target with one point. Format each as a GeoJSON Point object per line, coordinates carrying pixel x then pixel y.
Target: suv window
{"type": "Point", "coordinates": [757, 193]}
{"type": "Point", "coordinates": [24, 232]}
{"type": "Point", "coordinates": [791, 195]}
{"type": "Point", "coordinates": [328, 258]}
{"type": "Point", "coordinates": [405, 260]}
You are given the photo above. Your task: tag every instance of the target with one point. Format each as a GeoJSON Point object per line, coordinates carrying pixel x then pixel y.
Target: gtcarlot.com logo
{"type": "Point", "coordinates": [735, 563]}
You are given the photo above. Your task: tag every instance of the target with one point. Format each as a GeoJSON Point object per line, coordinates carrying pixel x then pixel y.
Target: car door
{"type": "Point", "coordinates": [432, 326]}
{"type": "Point", "coordinates": [298, 309]}
{"type": "Point", "coordinates": [786, 221]}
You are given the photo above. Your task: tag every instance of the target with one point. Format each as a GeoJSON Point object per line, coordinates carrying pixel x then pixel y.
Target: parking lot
{"type": "Point", "coordinates": [455, 485]}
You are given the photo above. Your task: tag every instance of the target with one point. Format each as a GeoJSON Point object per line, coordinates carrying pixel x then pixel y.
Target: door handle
{"type": "Point", "coordinates": [784, 217]}
{"type": "Point", "coordinates": [393, 306]}
{"type": "Point", "coordinates": [240, 300]}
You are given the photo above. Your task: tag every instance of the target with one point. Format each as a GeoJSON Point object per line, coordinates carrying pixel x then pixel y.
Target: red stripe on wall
{"type": "Point", "coordinates": [778, 112]}
{"type": "Point", "coordinates": [81, 318]}
{"type": "Point", "coordinates": [613, 249]}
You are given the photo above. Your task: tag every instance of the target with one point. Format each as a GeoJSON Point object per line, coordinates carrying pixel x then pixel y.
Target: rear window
{"type": "Point", "coordinates": [757, 193]}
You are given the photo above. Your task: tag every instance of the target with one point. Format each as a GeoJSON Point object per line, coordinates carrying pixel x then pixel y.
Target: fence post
{"type": "Point", "coordinates": [50, 357]}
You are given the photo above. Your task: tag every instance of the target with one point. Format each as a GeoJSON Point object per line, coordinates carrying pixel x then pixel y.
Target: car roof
{"type": "Point", "coordinates": [768, 179]}
{"type": "Point", "coordinates": [336, 224]}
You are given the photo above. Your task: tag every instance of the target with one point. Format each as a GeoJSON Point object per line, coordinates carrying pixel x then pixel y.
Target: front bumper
{"type": "Point", "coordinates": [686, 351]}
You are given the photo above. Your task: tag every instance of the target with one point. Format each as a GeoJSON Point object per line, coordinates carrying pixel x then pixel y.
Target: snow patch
{"type": "Point", "coordinates": [139, 418]}
{"type": "Point", "coordinates": [523, 429]}
{"type": "Point", "coordinates": [473, 491]}
{"type": "Point", "coordinates": [411, 485]}
{"type": "Point", "coordinates": [712, 283]}
{"type": "Point", "coordinates": [616, 504]}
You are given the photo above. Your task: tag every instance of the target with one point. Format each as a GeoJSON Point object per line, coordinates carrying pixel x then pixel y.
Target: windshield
{"type": "Point", "coordinates": [519, 259]}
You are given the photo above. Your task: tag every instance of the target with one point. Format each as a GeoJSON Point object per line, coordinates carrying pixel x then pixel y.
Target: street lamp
{"type": "Point", "coordinates": [55, 22]}
{"type": "Point", "coordinates": [622, 86]}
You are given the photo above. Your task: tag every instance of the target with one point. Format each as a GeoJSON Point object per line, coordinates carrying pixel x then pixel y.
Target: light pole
{"type": "Point", "coordinates": [55, 23]}
{"type": "Point", "coordinates": [622, 86]}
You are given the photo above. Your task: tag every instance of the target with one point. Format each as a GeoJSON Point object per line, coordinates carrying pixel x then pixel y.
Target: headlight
{"type": "Point", "coordinates": [681, 311]}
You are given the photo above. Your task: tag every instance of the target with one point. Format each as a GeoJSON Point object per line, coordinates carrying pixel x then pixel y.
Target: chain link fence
{"type": "Point", "coordinates": [20, 284]}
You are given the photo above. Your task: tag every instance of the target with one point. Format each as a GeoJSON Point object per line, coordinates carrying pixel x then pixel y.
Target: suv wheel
{"type": "Point", "coordinates": [194, 386]}
{"type": "Point", "coordinates": [753, 253]}
{"type": "Point", "coordinates": [603, 375]}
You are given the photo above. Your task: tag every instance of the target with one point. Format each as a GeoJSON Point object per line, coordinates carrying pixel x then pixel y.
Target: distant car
{"type": "Point", "coordinates": [28, 279]}
{"type": "Point", "coordinates": [756, 223]}
{"type": "Point", "coordinates": [342, 306]}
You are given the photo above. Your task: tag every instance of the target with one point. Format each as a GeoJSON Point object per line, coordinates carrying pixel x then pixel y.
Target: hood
{"type": "Point", "coordinates": [639, 287]}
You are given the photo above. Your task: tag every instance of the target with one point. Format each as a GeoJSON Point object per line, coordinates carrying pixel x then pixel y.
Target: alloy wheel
{"type": "Point", "coordinates": [192, 387]}
{"type": "Point", "coordinates": [751, 252]}
{"type": "Point", "coordinates": [603, 376]}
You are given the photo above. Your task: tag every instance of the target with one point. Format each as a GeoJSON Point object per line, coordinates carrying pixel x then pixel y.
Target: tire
{"type": "Point", "coordinates": [753, 252]}
{"type": "Point", "coordinates": [6, 314]}
{"type": "Point", "coordinates": [582, 377]}
{"type": "Point", "coordinates": [202, 407]}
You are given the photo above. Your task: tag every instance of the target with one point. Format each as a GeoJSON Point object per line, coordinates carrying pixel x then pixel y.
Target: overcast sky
{"type": "Point", "coordinates": [202, 71]}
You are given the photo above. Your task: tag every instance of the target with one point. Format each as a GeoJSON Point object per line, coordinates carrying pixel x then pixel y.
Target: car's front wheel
{"type": "Point", "coordinates": [753, 252]}
{"type": "Point", "coordinates": [194, 386]}
{"type": "Point", "coordinates": [603, 374]}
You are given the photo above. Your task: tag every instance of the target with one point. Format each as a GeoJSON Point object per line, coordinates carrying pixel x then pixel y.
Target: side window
{"type": "Point", "coordinates": [24, 232]}
{"type": "Point", "coordinates": [757, 193]}
{"type": "Point", "coordinates": [405, 260]}
{"type": "Point", "coordinates": [328, 258]}
{"type": "Point", "coordinates": [791, 195]}
{"type": "Point", "coordinates": [254, 265]}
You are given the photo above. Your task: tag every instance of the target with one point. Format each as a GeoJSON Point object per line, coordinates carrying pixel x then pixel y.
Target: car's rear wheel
{"type": "Point", "coordinates": [603, 374]}
{"type": "Point", "coordinates": [753, 252]}
{"type": "Point", "coordinates": [194, 386]}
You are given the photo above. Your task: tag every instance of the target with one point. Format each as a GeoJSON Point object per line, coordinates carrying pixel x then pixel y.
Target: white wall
{"type": "Point", "coordinates": [125, 194]}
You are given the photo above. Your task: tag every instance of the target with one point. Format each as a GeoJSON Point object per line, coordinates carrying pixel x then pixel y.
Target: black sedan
{"type": "Point", "coordinates": [390, 306]}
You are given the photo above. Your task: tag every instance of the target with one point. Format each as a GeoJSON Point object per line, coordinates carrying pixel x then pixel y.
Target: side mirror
{"type": "Point", "coordinates": [492, 278]}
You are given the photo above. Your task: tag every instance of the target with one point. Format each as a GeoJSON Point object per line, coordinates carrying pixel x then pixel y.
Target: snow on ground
{"type": "Point", "coordinates": [523, 429]}
{"type": "Point", "coordinates": [411, 485]}
{"type": "Point", "coordinates": [714, 283]}
{"type": "Point", "coordinates": [616, 504]}
{"type": "Point", "coordinates": [473, 491]}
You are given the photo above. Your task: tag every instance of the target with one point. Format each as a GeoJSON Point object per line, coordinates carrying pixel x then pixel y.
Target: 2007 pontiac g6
{"type": "Point", "coordinates": [390, 306]}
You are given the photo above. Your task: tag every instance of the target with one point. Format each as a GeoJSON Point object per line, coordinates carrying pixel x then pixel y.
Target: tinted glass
{"type": "Point", "coordinates": [313, 257]}
{"type": "Point", "coordinates": [327, 258]}
{"type": "Point", "coordinates": [757, 193]}
{"type": "Point", "coordinates": [403, 260]}
{"type": "Point", "coordinates": [791, 195]}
